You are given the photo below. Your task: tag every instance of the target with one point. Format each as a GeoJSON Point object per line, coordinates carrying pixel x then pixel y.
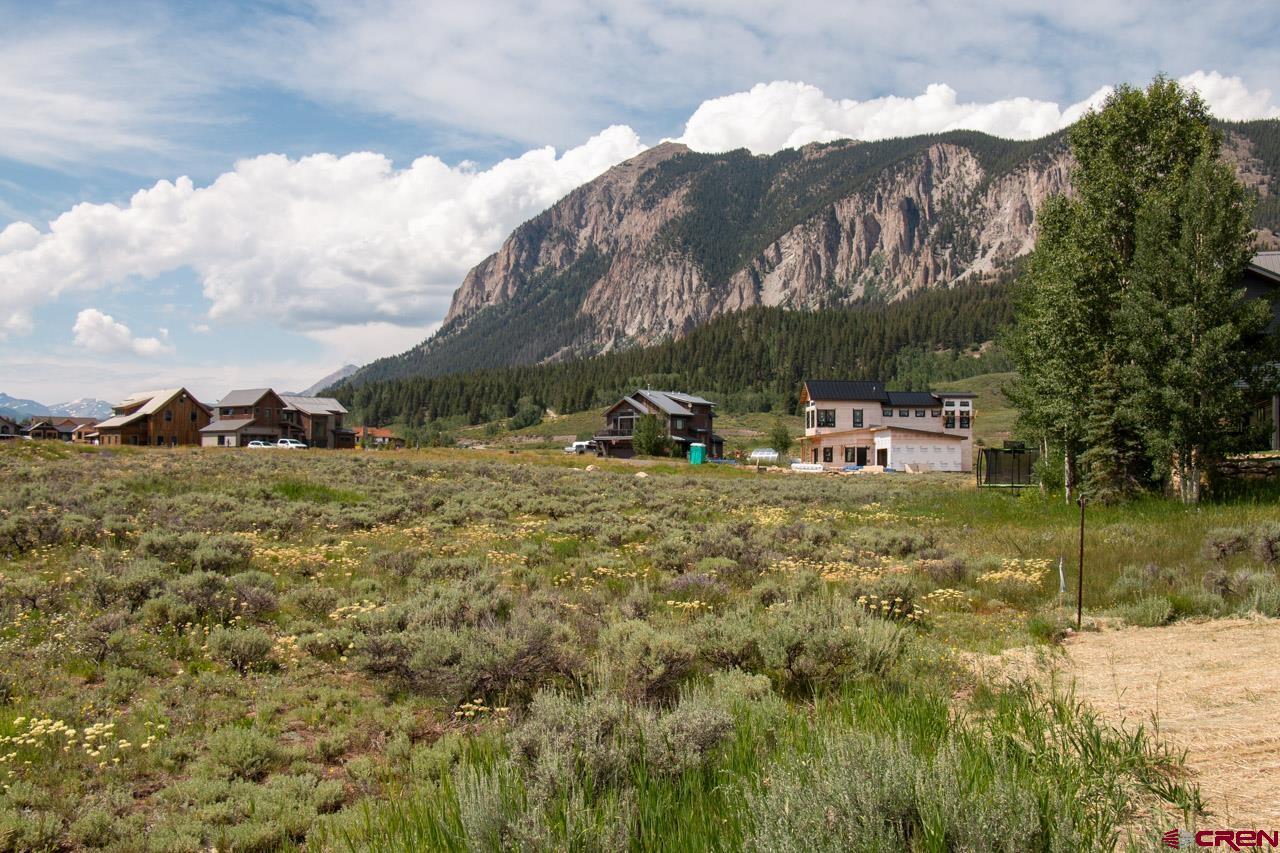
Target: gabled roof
{"type": "Point", "coordinates": [665, 403]}
{"type": "Point", "coordinates": [845, 389]}
{"type": "Point", "coordinates": [313, 405]}
{"type": "Point", "coordinates": [244, 397]}
{"type": "Point", "coordinates": [154, 401]}
{"type": "Point", "coordinates": [911, 398]}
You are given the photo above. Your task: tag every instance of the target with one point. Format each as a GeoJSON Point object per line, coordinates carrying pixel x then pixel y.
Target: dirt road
{"type": "Point", "coordinates": [1214, 688]}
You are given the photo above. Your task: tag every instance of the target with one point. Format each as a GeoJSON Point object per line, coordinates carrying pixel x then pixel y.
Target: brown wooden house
{"type": "Point", "coordinates": [164, 418]}
{"type": "Point", "coordinates": [45, 430]}
{"type": "Point", "coordinates": [319, 419]}
{"type": "Point", "coordinates": [9, 429]}
{"type": "Point", "coordinates": [685, 420]}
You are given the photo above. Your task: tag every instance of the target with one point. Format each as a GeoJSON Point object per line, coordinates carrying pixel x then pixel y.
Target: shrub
{"type": "Point", "coordinates": [1266, 542]}
{"type": "Point", "coordinates": [140, 581]}
{"type": "Point", "coordinates": [588, 741]}
{"type": "Point", "coordinates": [1264, 597]}
{"type": "Point", "coordinates": [947, 571]}
{"type": "Point", "coordinates": [314, 601]}
{"type": "Point", "coordinates": [254, 593]}
{"type": "Point", "coordinates": [242, 649]}
{"type": "Point", "coordinates": [813, 645]}
{"type": "Point", "coordinates": [1136, 581]}
{"type": "Point", "coordinates": [683, 738]}
{"type": "Point", "coordinates": [1222, 542]}
{"type": "Point", "coordinates": [644, 663]}
{"type": "Point", "coordinates": [240, 753]}
{"type": "Point", "coordinates": [1150, 612]}
{"type": "Point", "coordinates": [207, 592]}
{"type": "Point", "coordinates": [224, 554]}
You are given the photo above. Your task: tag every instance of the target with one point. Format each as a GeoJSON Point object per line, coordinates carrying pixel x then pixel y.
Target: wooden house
{"type": "Point", "coordinates": [165, 418]}
{"type": "Point", "coordinates": [9, 429]}
{"type": "Point", "coordinates": [684, 418]}
{"type": "Point", "coordinates": [44, 429]}
{"type": "Point", "coordinates": [319, 420]}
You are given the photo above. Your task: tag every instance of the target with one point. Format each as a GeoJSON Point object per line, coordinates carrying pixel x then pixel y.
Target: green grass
{"type": "Point", "coordinates": [299, 490]}
{"type": "Point", "coordinates": [995, 415]}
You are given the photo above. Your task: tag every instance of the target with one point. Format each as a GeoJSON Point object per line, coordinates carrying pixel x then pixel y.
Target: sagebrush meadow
{"type": "Point", "coordinates": [469, 651]}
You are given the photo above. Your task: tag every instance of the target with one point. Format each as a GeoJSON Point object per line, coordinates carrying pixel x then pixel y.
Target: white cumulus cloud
{"type": "Point", "coordinates": [364, 257]}
{"type": "Point", "coordinates": [101, 333]}
{"type": "Point", "coordinates": [315, 243]}
{"type": "Point", "coordinates": [781, 114]}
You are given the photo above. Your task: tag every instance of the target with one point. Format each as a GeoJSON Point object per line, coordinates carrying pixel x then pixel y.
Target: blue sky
{"type": "Point", "coordinates": [232, 194]}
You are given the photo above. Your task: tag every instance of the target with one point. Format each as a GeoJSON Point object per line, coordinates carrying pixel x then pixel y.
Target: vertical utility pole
{"type": "Point", "coordinates": [1080, 574]}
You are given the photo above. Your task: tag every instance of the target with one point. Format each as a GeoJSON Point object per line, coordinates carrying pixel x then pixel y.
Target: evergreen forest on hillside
{"type": "Point", "coordinates": [750, 360]}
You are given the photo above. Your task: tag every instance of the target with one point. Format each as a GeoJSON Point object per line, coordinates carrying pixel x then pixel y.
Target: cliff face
{"type": "Point", "coordinates": [932, 220]}
{"type": "Point", "coordinates": [671, 238]}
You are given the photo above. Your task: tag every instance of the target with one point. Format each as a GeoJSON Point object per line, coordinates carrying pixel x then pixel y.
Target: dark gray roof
{"type": "Point", "coordinates": [911, 398]}
{"type": "Point", "coordinates": [244, 397]}
{"type": "Point", "coordinates": [845, 389]}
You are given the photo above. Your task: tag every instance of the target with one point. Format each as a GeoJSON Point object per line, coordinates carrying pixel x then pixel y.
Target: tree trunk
{"type": "Point", "coordinates": [1069, 472]}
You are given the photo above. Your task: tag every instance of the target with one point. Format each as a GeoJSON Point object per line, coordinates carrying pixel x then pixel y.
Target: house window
{"type": "Point", "coordinates": [937, 413]}
{"type": "Point", "coordinates": [193, 415]}
{"type": "Point", "coordinates": [826, 454]}
{"type": "Point", "coordinates": [848, 455]}
{"type": "Point", "coordinates": [168, 416]}
{"type": "Point", "coordinates": [888, 413]}
{"type": "Point", "coordinates": [857, 417]}
{"type": "Point", "coordinates": [808, 419]}
{"type": "Point", "coordinates": [222, 441]}
{"type": "Point", "coordinates": [826, 418]}
{"type": "Point", "coordinates": [964, 404]}
{"type": "Point", "coordinates": [950, 404]}
{"type": "Point", "coordinates": [919, 413]}
{"type": "Point", "coordinates": [677, 424]}
{"type": "Point", "coordinates": [949, 422]}
{"type": "Point", "coordinates": [964, 420]}
{"type": "Point", "coordinates": [904, 413]}
{"type": "Point", "coordinates": [159, 441]}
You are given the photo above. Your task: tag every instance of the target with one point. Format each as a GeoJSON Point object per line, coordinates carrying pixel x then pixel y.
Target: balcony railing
{"type": "Point", "coordinates": [615, 433]}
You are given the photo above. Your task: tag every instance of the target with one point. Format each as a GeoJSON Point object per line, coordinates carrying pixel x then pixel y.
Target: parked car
{"type": "Point", "coordinates": [257, 443]}
{"type": "Point", "coordinates": [581, 447]}
{"type": "Point", "coordinates": [290, 444]}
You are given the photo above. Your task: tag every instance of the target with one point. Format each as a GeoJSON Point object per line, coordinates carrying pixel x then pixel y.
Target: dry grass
{"type": "Point", "coordinates": [1211, 689]}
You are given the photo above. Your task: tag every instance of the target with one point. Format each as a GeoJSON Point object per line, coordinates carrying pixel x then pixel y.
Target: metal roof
{"type": "Point", "coordinates": [244, 397]}
{"type": "Point", "coordinates": [313, 405]}
{"type": "Point", "coordinates": [1267, 262]}
{"type": "Point", "coordinates": [665, 402]}
{"type": "Point", "coordinates": [911, 398]}
{"type": "Point", "coordinates": [228, 425]}
{"type": "Point", "coordinates": [845, 389]}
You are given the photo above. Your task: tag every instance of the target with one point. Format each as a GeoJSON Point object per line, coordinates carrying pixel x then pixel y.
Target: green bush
{"type": "Point", "coordinates": [316, 602]}
{"type": "Point", "coordinates": [1223, 542]}
{"type": "Point", "coordinates": [814, 644]}
{"type": "Point", "coordinates": [240, 753]}
{"type": "Point", "coordinates": [243, 649]}
{"type": "Point", "coordinates": [643, 663]}
{"type": "Point", "coordinates": [1266, 542]}
{"type": "Point", "coordinates": [1149, 612]}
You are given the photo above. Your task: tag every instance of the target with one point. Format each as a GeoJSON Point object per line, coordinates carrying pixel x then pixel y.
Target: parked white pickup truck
{"type": "Point", "coordinates": [290, 444]}
{"type": "Point", "coordinates": [581, 447]}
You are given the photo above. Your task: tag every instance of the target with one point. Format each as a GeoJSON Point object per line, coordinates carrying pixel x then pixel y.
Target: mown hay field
{"type": "Point", "coordinates": [454, 650]}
